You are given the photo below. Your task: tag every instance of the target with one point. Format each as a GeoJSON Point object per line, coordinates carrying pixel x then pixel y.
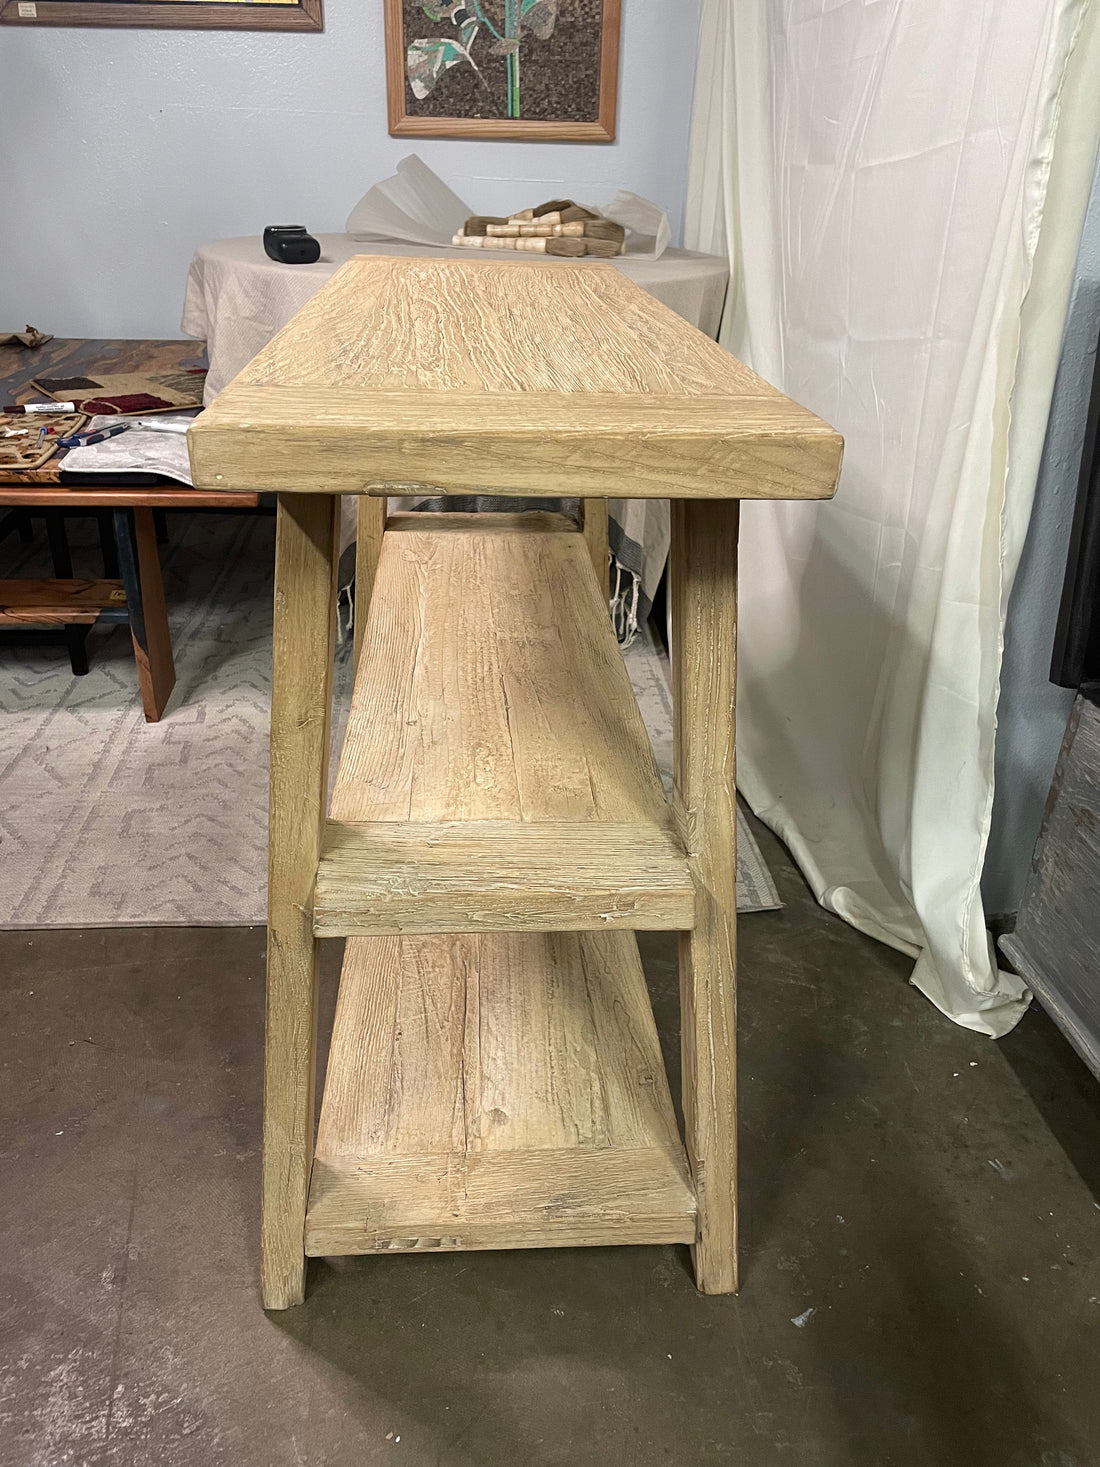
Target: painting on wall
{"type": "Point", "coordinates": [503, 68]}
{"type": "Point", "coordinates": [228, 15]}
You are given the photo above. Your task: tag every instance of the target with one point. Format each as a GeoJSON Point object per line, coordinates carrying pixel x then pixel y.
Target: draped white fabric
{"type": "Point", "coordinates": [900, 185]}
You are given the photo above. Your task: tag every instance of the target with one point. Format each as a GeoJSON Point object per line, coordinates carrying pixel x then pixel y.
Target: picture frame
{"type": "Point", "coordinates": [228, 15]}
{"type": "Point", "coordinates": [459, 69]}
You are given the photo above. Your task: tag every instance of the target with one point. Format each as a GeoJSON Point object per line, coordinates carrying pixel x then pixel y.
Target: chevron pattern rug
{"type": "Point", "coordinates": [107, 821]}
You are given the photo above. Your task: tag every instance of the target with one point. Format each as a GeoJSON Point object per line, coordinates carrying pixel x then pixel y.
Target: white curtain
{"type": "Point", "coordinates": [900, 185]}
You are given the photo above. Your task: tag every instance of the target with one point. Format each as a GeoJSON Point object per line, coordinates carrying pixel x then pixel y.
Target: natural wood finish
{"type": "Point", "coordinates": [496, 773]}
{"type": "Point", "coordinates": [433, 375]}
{"type": "Point", "coordinates": [492, 688]}
{"type": "Point", "coordinates": [600, 131]}
{"type": "Point", "coordinates": [496, 876]}
{"type": "Point", "coordinates": [150, 634]}
{"type": "Point", "coordinates": [595, 536]}
{"type": "Point", "coordinates": [495, 1091]}
{"type": "Point", "coordinates": [370, 522]}
{"type": "Point", "coordinates": [306, 553]}
{"type": "Point", "coordinates": [34, 493]}
{"type": "Point", "coordinates": [305, 15]}
{"type": "Point", "coordinates": [53, 602]}
{"type": "Point", "coordinates": [703, 584]}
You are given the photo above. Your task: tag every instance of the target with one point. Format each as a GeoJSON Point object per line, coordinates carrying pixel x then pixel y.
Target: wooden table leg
{"type": "Point", "coordinates": [704, 628]}
{"type": "Point", "coordinates": [139, 563]}
{"type": "Point", "coordinates": [306, 556]}
{"type": "Point", "coordinates": [595, 534]}
{"type": "Point", "coordinates": [370, 527]}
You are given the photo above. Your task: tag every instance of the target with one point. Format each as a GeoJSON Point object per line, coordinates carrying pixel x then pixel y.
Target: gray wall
{"type": "Point", "coordinates": [1032, 713]}
{"type": "Point", "coordinates": [121, 150]}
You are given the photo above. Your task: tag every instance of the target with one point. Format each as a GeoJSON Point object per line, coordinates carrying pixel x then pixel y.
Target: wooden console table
{"type": "Point", "coordinates": [498, 829]}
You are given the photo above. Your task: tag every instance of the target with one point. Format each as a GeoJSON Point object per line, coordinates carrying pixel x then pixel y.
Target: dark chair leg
{"type": "Point", "coordinates": [107, 546]}
{"type": "Point", "coordinates": [19, 521]}
{"type": "Point", "coordinates": [160, 520]}
{"type": "Point", "coordinates": [76, 637]}
{"type": "Point", "coordinates": [59, 545]}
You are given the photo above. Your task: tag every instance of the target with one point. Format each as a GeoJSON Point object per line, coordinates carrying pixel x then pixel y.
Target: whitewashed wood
{"type": "Point", "coordinates": [491, 688]}
{"type": "Point", "coordinates": [595, 534]}
{"type": "Point", "coordinates": [495, 1091]}
{"type": "Point", "coordinates": [305, 616]}
{"type": "Point", "coordinates": [494, 876]}
{"type": "Point", "coordinates": [370, 524]}
{"type": "Point", "coordinates": [460, 376]}
{"type": "Point", "coordinates": [703, 585]}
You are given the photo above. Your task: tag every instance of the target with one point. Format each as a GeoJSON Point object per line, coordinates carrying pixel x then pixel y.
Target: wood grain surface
{"type": "Point", "coordinates": [496, 773]}
{"type": "Point", "coordinates": [303, 16]}
{"type": "Point", "coordinates": [301, 705]}
{"type": "Point", "coordinates": [703, 588]}
{"type": "Point", "coordinates": [457, 376]}
{"type": "Point", "coordinates": [495, 1091]}
{"type": "Point", "coordinates": [491, 687]}
{"type": "Point", "coordinates": [58, 602]}
{"type": "Point", "coordinates": [500, 876]}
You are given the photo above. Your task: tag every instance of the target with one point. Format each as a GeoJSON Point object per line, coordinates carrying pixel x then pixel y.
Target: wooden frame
{"type": "Point", "coordinates": [262, 15]}
{"type": "Point", "coordinates": [405, 124]}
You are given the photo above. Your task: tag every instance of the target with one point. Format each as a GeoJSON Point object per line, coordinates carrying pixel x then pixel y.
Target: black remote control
{"type": "Point", "coordinates": [290, 244]}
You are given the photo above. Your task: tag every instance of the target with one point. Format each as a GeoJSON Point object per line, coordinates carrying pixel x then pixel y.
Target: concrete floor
{"type": "Point", "coordinates": [920, 1224]}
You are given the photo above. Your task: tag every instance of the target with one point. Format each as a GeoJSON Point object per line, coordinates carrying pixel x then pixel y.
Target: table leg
{"type": "Point", "coordinates": [59, 545]}
{"type": "Point", "coordinates": [704, 624]}
{"type": "Point", "coordinates": [595, 535]}
{"type": "Point", "coordinates": [76, 635]}
{"type": "Point", "coordinates": [139, 563]}
{"type": "Point", "coordinates": [368, 546]}
{"type": "Point", "coordinates": [306, 557]}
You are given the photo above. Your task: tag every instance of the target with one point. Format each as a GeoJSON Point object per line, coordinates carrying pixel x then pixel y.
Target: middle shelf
{"type": "Point", "coordinates": [496, 773]}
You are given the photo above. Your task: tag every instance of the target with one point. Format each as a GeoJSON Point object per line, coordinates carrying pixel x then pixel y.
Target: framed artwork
{"type": "Point", "coordinates": [503, 68]}
{"type": "Point", "coordinates": [226, 15]}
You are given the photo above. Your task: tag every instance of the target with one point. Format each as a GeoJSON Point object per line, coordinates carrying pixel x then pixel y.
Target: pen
{"type": "Point", "coordinates": [85, 440]}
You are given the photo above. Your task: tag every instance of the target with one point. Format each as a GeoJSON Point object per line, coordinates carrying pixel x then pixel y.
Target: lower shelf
{"type": "Point", "coordinates": [496, 1090]}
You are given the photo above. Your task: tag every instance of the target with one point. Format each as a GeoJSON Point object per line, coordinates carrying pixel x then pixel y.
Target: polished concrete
{"type": "Point", "coordinates": [920, 1244]}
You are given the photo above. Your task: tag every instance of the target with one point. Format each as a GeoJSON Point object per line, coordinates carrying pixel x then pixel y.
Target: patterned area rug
{"type": "Point", "coordinates": [107, 821]}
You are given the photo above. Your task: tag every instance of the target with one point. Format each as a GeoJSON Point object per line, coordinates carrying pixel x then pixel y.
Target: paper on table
{"type": "Point", "coordinates": [646, 224]}
{"type": "Point", "coordinates": [135, 451]}
{"type": "Point", "coordinates": [414, 205]}
{"type": "Point", "coordinates": [417, 207]}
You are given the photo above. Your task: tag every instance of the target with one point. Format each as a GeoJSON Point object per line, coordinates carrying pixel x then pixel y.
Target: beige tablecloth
{"type": "Point", "coordinates": [237, 299]}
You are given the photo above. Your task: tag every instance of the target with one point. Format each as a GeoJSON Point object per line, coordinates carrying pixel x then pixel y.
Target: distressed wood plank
{"type": "Point", "coordinates": [53, 601]}
{"type": "Point", "coordinates": [306, 549]}
{"type": "Point", "coordinates": [466, 376]}
{"type": "Point", "coordinates": [492, 876]}
{"type": "Point", "coordinates": [370, 524]}
{"type": "Point", "coordinates": [495, 1091]}
{"type": "Point", "coordinates": [492, 688]}
{"type": "Point", "coordinates": [704, 626]}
